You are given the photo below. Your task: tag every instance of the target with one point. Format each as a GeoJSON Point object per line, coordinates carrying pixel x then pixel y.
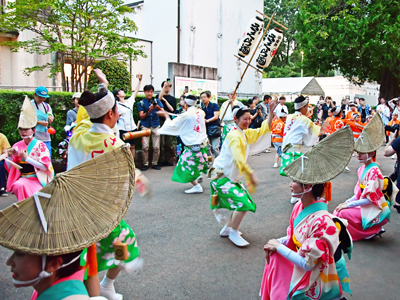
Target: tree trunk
{"type": "Point", "coordinates": [85, 72]}
{"type": "Point", "coordinates": [63, 81]}
{"type": "Point", "coordinates": [389, 84]}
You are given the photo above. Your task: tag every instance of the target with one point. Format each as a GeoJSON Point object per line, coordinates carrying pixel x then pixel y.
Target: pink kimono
{"type": "Point", "coordinates": [25, 185]}
{"type": "Point", "coordinates": [313, 235]}
{"type": "Point", "coordinates": [367, 220]}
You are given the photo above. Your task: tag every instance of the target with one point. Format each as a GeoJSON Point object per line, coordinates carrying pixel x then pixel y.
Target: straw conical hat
{"type": "Point", "coordinates": [86, 204]}
{"type": "Point", "coordinates": [372, 136]}
{"type": "Point", "coordinates": [27, 117]}
{"type": "Point", "coordinates": [325, 160]}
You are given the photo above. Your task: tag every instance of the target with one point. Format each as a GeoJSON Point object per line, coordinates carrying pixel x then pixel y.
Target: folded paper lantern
{"type": "Point", "coordinates": [250, 37]}
{"type": "Point", "coordinates": [268, 48]}
{"type": "Point", "coordinates": [51, 130]}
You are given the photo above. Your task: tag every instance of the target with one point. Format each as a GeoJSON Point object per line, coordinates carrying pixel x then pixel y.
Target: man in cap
{"type": "Point", "coordinates": [71, 114]}
{"type": "Point", "coordinates": [31, 155]}
{"type": "Point", "coordinates": [44, 115]}
{"type": "Point", "coordinates": [191, 128]}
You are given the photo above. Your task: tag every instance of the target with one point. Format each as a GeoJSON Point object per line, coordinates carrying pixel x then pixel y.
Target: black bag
{"type": "Point", "coordinates": [214, 131]}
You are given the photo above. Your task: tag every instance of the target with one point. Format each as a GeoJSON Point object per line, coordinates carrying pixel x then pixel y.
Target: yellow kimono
{"type": "Point", "coordinates": [90, 140]}
{"type": "Point", "coordinates": [232, 163]}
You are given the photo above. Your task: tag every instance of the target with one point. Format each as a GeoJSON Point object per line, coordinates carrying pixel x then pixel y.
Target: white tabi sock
{"type": "Point", "coordinates": [107, 289]}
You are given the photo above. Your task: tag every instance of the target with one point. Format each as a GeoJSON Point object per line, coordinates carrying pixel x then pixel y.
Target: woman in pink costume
{"type": "Point", "coordinates": [369, 208]}
{"type": "Point", "coordinates": [308, 263]}
{"type": "Point", "coordinates": [31, 155]}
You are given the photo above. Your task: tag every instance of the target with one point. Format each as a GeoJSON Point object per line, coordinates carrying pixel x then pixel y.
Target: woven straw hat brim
{"type": "Point", "coordinates": [27, 117]}
{"type": "Point", "coordinates": [325, 160]}
{"type": "Point", "coordinates": [372, 136]}
{"type": "Point", "coordinates": [86, 204]}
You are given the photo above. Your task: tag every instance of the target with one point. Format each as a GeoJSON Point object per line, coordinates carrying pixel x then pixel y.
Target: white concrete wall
{"type": "Point", "coordinates": [339, 87]}
{"type": "Point", "coordinates": [12, 65]}
{"type": "Point", "coordinates": [142, 65]}
{"type": "Point", "coordinates": [157, 21]}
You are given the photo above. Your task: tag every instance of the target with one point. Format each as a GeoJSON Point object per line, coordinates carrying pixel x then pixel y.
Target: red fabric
{"type": "Point", "coordinates": [92, 260]}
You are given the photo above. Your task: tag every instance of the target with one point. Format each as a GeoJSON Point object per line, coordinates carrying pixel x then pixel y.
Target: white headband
{"type": "Point", "coordinates": [101, 107]}
{"type": "Point", "coordinates": [282, 114]}
{"type": "Point", "coordinates": [336, 111]}
{"type": "Point", "coordinates": [299, 105]}
{"type": "Point", "coordinates": [190, 102]}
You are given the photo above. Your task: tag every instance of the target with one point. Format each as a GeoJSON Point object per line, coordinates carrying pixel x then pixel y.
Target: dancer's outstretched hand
{"type": "Point", "coordinates": [272, 104]}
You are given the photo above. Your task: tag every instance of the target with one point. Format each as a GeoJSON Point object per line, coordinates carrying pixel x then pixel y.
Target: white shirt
{"type": "Point", "coordinates": [384, 111]}
{"type": "Point", "coordinates": [279, 108]}
{"type": "Point", "coordinates": [190, 126]}
{"type": "Point", "coordinates": [299, 129]}
{"type": "Point", "coordinates": [126, 121]}
{"type": "Point", "coordinates": [229, 112]}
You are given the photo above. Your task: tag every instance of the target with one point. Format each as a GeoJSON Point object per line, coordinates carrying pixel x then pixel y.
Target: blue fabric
{"type": "Point", "coordinates": [48, 145]}
{"type": "Point", "coordinates": [209, 110]}
{"type": "Point", "coordinates": [152, 119]}
{"type": "Point", "coordinates": [3, 173]}
{"type": "Point", "coordinates": [367, 109]}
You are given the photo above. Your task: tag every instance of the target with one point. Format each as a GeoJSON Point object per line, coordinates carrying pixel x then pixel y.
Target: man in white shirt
{"type": "Point", "coordinates": [281, 106]}
{"type": "Point", "coordinates": [126, 123]}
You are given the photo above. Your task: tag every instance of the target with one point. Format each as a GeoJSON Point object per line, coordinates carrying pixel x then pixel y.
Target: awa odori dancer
{"type": "Point", "coordinates": [48, 231]}
{"type": "Point", "coordinates": [226, 114]}
{"type": "Point", "coordinates": [298, 129]}
{"type": "Point", "coordinates": [191, 128]}
{"type": "Point", "coordinates": [308, 262]}
{"type": "Point", "coordinates": [31, 155]}
{"type": "Point", "coordinates": [227, 190]}
{"type": "Point", "coordinates": [93, 137]}
{"type": "Point", "coordinates": [369, 208]}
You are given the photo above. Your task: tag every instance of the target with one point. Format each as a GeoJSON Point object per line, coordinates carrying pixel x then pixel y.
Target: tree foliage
{"type": "Point", "coordinates": [79, 31]}
{"type": "Point", "coordinates": [284, 14]}
{"type": "Point", "coordinates": [116, 72]}
{"type": "Point", "coordinates": [360, 38]}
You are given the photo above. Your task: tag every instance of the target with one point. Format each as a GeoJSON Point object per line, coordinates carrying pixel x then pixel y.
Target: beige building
{"type": "Point", "coordinates": [12, 65]}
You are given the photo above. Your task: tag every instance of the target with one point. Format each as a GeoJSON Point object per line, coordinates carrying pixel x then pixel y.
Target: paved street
{"type": "Point", "coordinates": [186, 259]}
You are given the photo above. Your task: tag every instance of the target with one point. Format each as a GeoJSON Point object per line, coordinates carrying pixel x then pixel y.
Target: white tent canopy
{"type": "Point", "coordinates": [291, 85]}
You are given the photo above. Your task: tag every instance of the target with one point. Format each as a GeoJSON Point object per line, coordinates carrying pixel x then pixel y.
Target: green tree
{"type": "Point", "coordinates": [360, 38]}
{"type": "Point", "coordinates": [116, 72]}
{"type": "Point", "coordinates": [285, 14]}
{"type": "Point", "coordinates": [79, 31]}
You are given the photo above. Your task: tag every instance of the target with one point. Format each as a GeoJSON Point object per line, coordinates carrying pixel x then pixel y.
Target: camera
{"type": "Point", "coordinates": [258, 107]}
{"type": "Point", "coordinates": [153, 101]}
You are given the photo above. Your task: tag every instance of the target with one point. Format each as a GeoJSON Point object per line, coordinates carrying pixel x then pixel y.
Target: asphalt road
{"type": "Point", "coordinates": [185, 258]}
